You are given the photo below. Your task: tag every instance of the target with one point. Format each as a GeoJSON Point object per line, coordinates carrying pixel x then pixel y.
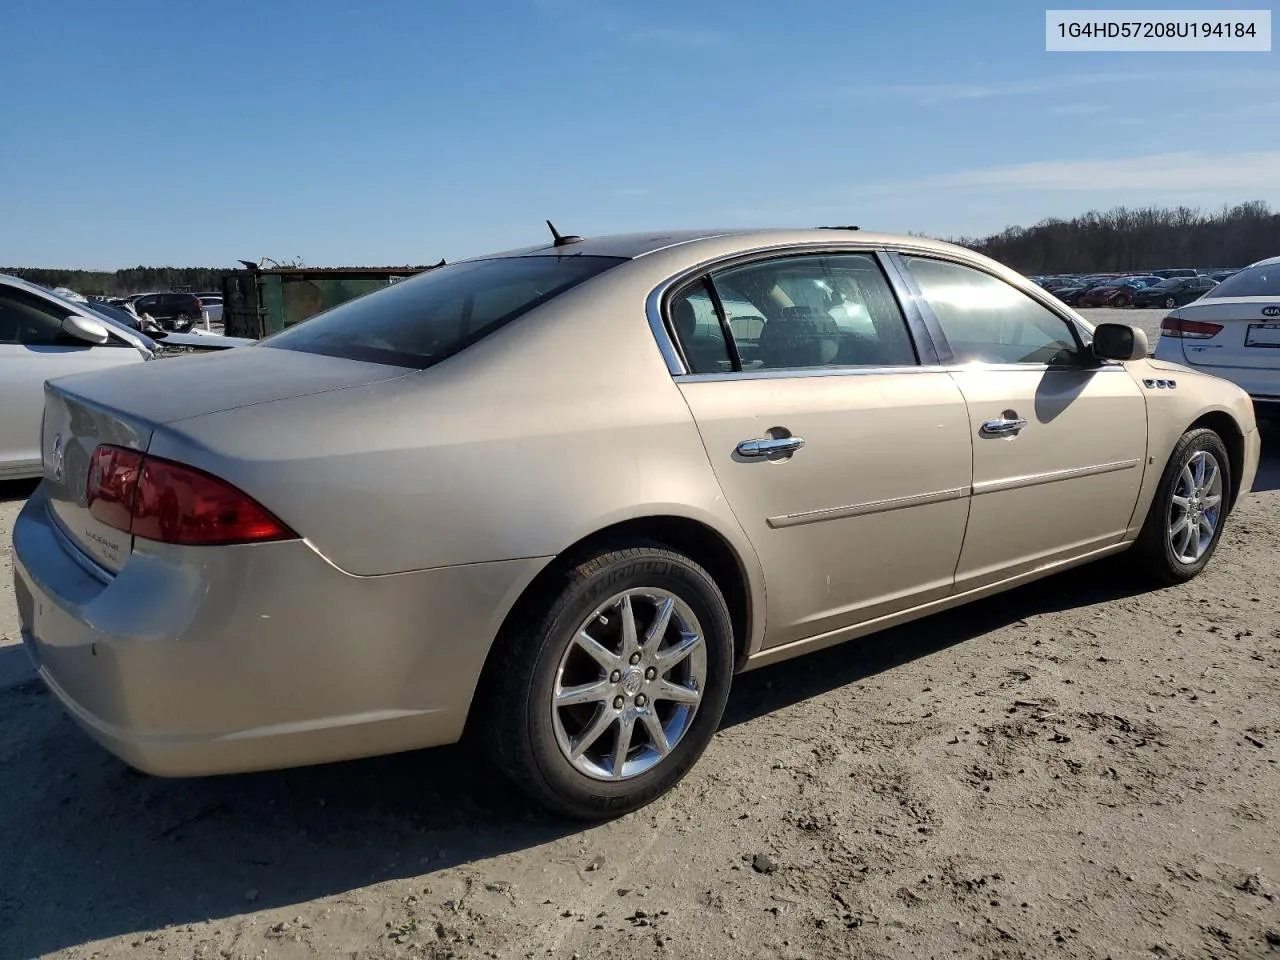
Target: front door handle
{"type": "Point", "coordinates": [769, 446]}
{"type": "Point", "coordinates": [1003, 426]}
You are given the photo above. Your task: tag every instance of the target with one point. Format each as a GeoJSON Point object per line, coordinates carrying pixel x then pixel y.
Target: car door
{"type": "Point", "coordinates": [846, 460]}
{"type": "Point", "coordinates": [1199, 287]}
{"type": "Point", "coordinates": [1059, 440]}
{"type": "Point", "coordinates": [34, 349]}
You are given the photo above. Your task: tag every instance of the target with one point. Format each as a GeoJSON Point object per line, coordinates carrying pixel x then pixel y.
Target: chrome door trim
{"type": "Point", "coordinates": [1053, 476]}
{"type": "Point", "coordinates": [871, 506]}
{"type": "Point", "coordinates": [802, 372]}
{"type": "Point", "coordinates": [1106, 366]}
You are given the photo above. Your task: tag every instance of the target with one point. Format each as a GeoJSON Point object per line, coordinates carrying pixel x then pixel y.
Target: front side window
{"type": "Point", "coordinates": [986, 320]}
{"type": "Point", "coordinates": [421, 321]}
{"type": "Point", "coordinates": [29, 320]}
{"type": "Point", "coordinates": [821, 310]}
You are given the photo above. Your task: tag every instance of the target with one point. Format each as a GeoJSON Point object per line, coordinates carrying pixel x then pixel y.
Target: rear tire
{"type": "Point", "coordinates": [1185, 508]}
{"type": "Point", "coordinates": [655, 700]}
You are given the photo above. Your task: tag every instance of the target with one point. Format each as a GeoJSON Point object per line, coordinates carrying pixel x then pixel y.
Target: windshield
{"type": "Point", "coordinates": [1260, 281]}
{"type": "Point", "coordinates": [419, 322]}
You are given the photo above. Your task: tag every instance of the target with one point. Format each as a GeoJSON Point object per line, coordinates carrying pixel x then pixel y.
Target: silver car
{"type": "Point", "coordinates": [44, 335]}
{"type": "Point", "coordinates": [557, 497]}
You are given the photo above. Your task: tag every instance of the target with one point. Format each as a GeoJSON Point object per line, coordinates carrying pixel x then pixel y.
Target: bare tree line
{"type": "Point", "coordinates": [1135, 239]}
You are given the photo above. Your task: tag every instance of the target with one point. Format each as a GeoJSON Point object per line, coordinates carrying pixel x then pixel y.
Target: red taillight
{"type": "Point", "coordinates": [1188, 329]}
{"type": "Point", "coordinates": [162, 500]}
{"type": "Point", "coordinates": [113, 485]}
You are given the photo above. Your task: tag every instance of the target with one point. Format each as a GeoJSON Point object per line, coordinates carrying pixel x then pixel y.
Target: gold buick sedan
{"type": "Point", "coordinates": [556, 498]}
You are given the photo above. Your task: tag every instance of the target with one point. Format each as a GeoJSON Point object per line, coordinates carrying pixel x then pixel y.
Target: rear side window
{"type": "Point", "coordinates": [1260, 281]}
{"type": "Point", "coordinates": [419, 322]}
{"type": "Point", "coordinates": [815, 310]}
{"type": "Point", "coordinates": [697, 326]}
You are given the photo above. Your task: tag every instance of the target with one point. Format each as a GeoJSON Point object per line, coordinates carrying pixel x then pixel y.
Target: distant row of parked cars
{"type": "Point", "coordinates": [173, 311]}
{"type": "Point", "coordinates": [1160, 288]}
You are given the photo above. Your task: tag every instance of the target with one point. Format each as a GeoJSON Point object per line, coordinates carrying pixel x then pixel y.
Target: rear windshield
{"type": "Point", "coordinates": [1260, 281]}
{"type": "Point", "coordinates": [419, 322]}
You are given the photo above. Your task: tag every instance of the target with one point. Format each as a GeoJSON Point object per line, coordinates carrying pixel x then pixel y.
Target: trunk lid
{"type": "Point", "coordinates": [73, 428]}
{"type": "Point", "coordinates": [1250, 334]}
{"type": "Point", "coordinates": [84, 411]}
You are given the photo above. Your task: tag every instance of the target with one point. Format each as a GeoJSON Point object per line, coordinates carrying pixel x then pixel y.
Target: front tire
{"type": "Point", "coordinates": [1170, 303]}
{"type": "Point", "coordinates": [607, 700]}
{"type": "Point", "coordinates": [1185, 521]}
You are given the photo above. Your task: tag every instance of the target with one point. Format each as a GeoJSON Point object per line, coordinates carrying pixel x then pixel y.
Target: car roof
{"type": "Point", "coordinates": [1269, 262]}
{"type": "Point", "coordinates": [631, 246]}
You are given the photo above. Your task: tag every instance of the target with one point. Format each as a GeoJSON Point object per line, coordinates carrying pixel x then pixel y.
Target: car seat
{"type": "Point", "coordinates": [799, 337]}
{"type": "Point", "coordinates": [706, 353]}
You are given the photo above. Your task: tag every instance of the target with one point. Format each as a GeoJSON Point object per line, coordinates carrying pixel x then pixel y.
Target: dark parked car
{"type": "Point", "coordinates": [1176, 272]}
{"type": "Point", "coordinates": [1071, 294]}
{"type": "Point", "coordinates": [1173, 292]}
{"type": "Point", "coordinates": [173, 311]}
{"type": "Point", "coordinates": [1116, 293]}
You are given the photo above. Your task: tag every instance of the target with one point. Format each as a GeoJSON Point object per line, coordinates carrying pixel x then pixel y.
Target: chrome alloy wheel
{"type": "Point", "coordinates": [629, 684]}
{"type": "Point", "coordinates": [1195, 509]}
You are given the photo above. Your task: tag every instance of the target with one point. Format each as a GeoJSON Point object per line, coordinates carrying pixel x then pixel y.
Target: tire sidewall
{"type": "Point", "coordinates": [1209, 442]}
{"type": "Point", "coordinates": [579, 793]}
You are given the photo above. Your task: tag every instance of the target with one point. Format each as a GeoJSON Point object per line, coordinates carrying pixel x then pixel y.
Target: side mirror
{"type": "Point", "coordinates": [1119, 341]}
{"type": "Point", "coordinates": [85, 328]}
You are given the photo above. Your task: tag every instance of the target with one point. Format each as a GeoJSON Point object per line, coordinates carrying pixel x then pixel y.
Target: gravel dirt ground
{"type": "Point", "coordinates": [1078, 768]}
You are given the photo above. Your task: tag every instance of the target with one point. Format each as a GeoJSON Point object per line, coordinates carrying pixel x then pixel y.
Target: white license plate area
{"type": "Point", "coordinates": [1262, 335]}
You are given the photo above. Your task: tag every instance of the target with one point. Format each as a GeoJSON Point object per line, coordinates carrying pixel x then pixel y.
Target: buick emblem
{"type": "Point", "coordinates": [1271, 311]}
{"type": "Point", "coordinates": [56, 456]}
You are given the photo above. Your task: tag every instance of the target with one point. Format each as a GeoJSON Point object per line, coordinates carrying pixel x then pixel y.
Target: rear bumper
{"type": "Point", "coordinates": [225, 659]}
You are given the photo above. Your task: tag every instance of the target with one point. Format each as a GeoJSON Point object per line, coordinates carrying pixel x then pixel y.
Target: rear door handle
{"type": "Point", "coordinates": [769, 446]}
{"type": "Point", "coordinates": [1003, 426]}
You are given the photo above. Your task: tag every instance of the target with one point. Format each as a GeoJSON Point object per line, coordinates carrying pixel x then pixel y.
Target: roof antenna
{"type": "Point", "coordinates": [561, 241]}
{"type": "Point", "coordinates": [437, 266]}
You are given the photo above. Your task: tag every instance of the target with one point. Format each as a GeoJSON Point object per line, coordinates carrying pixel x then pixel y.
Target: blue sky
{"type": "Point", "coordinates": [394, 131]}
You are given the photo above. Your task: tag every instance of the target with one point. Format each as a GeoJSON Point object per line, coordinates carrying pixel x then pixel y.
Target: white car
{"type": "Point", "coordinates": [212, 304]}
{"type": "Point", "coordinates": [1233, 332]}
{"type": "Point", "coordinates": [44, 335]}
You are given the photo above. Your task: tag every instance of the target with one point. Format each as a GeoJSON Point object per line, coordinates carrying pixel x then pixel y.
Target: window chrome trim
{"type": "Point", "coordinates": [1053, 476]}
{"type": "Point", "coordinates": [867, 508]}
{"type": "Point", "coordinates": [794, 373]}
{"type": "Point", "coordinates": [658, 327]}
{"type": "Point", "coordinates": [982, 367]}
